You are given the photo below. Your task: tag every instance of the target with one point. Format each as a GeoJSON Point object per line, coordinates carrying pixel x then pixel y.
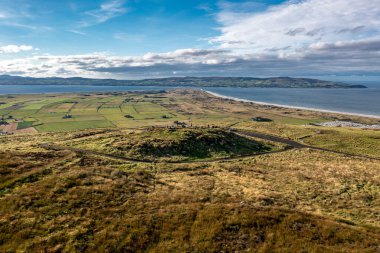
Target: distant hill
{"type": "Point", "coordinates": [273, 82]}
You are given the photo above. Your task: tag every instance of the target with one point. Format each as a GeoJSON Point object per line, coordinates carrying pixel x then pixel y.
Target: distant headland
{"type": "Point", "coordinates": [244, 82]}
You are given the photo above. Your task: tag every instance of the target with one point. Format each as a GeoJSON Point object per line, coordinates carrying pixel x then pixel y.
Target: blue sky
{"type": "Point", "coordinates": [136, 27]}
{"type": "Point", "coordinates": [70, 27]}
{"type": "Point", "coordinates": [157, 38]}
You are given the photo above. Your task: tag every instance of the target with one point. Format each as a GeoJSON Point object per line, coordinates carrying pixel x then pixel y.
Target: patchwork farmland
{"type": "Point", "coordinates": [57, 113]}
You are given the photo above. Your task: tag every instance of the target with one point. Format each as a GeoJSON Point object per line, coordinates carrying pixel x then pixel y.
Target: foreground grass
{"type": "Point", "coordinates": [294, 201]}
{"type": "Point", "coordinates": [355, 141]}
{"type": "Point", "coordinates": [348, 140]}
{"type": "Point", "coordinates": [67, 202]}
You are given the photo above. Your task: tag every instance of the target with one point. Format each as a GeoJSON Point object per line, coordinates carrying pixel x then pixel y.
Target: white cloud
{"type": "Point", "coordinates": [77, 32]}
{"type": "Point", "coordinates": [17, 24]}
{"type": "Point", "coordinates": [106, 11]}
{"type": "Point", "coordinates": [296, 25]}
{"type": "Point", "coordinates": [15, 49]}
{"type": "Point", "coordinates": [363, 45]}
{"type": "Point", "coordinates": [185, 62]}
{"type": "Point", "coordinates": [102, 64]}
{"type": "Point", "coordinates": [309, 37]}
{"type": "Point", "coordinates": [18, 15]}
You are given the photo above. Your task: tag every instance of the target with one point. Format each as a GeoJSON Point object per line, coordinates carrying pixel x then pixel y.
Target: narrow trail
{"type": "Point", "coordinates": [290, 145]}
{"type": "Point", "coordinates": [298, 145]}
{"type": "Point", "coordinates": [272, 138]}
{"type": "Point", "coordinates": [90, 152]}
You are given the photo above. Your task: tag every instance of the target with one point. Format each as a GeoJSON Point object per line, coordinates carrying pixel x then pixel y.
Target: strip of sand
{"type": "Point", "coordinates": [292, 107]}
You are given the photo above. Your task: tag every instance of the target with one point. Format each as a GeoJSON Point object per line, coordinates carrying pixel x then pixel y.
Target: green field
{"type": "Point", "coordinates": [24, 124]}
{"type": "Point", "coordinates": [73, 126]}
{"type": "Point", "coordinates": [87, 112]}
{"type": "Point", "coordinates": [134, 110]}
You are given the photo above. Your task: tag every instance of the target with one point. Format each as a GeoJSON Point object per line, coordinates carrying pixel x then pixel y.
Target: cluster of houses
{"type": "Point", "coordinates": [67, 116]}
{"type": "Point", "coordinates": [3, 119]}
{"type": "Point", "coordinates": [179, 124]}
{"type": "Point", "coordinates": [261, 119]}
{"type": "Point", "coordinates": [4, 122]}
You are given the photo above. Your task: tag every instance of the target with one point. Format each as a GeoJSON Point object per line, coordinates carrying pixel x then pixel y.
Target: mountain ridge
{"type": "Point", "coordinates": [245, 82]}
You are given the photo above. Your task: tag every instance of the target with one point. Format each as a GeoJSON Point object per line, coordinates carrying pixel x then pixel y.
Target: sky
{"type": "Point", "coordinates": [136, 39]}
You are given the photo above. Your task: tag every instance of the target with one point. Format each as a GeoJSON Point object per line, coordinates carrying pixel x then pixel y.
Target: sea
{"type": "Point", "coordinates": [351, 101]}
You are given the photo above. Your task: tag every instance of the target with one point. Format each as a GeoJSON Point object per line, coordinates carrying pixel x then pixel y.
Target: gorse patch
{"type": "Point", "coordinates": [185, 144]}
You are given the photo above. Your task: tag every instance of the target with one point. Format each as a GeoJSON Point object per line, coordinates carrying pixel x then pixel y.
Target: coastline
{"type": "Point", "coordinates": [290, 106]}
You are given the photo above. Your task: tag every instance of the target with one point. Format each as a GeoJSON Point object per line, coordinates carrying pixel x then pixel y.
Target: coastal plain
{"type": "Point", "coordinates": [183, 171]}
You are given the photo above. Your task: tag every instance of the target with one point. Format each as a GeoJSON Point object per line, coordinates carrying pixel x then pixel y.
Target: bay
{"type": "Point", "coordinates": [357, 101]}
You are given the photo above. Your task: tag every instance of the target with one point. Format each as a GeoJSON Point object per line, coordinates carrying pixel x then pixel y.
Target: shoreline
{"type": "Point", "coordinates": [291, 106]}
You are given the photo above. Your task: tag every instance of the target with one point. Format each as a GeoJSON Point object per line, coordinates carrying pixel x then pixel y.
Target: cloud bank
{"type": "Point", "coordinates": [310, 37]}
{"type": "Point", "coordinates": [295, 25]}
{"type": "Point", "coordinates": [9, 49]}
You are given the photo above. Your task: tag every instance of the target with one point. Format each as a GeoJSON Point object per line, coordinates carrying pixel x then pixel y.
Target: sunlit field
{"type": "Point", "coordinates": [160, 172]}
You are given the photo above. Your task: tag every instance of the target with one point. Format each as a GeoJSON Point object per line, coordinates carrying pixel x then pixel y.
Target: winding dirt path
{"type": "Point", "coordinates": [298, 145]}
{"type": "Point", "coordinates": [272, 138]}
{"type": "Point", "coordinates": [90, 152]}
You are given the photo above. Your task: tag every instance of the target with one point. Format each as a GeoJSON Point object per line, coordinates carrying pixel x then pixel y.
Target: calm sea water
{"type": "Point", "coordinates": [38, 89]}
{"type": "Point", "coordinates": [360, 101]}
{"type": "Point", "coordinates": [363, 101]}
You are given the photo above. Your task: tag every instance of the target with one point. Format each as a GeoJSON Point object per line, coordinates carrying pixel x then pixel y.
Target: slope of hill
{"type": "Point", "coordinates": [161, 144]}
{"type": "Point", "coordinates": [69, 187]}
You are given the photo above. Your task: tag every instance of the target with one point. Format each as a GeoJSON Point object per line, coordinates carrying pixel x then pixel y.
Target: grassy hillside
{"type": "Point", "coordinates": [70, 202]}
{"type": "Point", "coordinates": [161, 144]}
{"type": "Point", "coordinates": [298, 200]}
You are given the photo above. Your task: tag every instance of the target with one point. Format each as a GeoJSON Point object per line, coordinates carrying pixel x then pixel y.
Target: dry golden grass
{"type": "Point", "coordinates": [295, 201]}
{"type": "Point", "coordinates": [73, 203]}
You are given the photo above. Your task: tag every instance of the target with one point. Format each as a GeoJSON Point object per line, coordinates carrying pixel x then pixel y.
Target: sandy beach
{"type": "Point", "coordinates": [292, 107]}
